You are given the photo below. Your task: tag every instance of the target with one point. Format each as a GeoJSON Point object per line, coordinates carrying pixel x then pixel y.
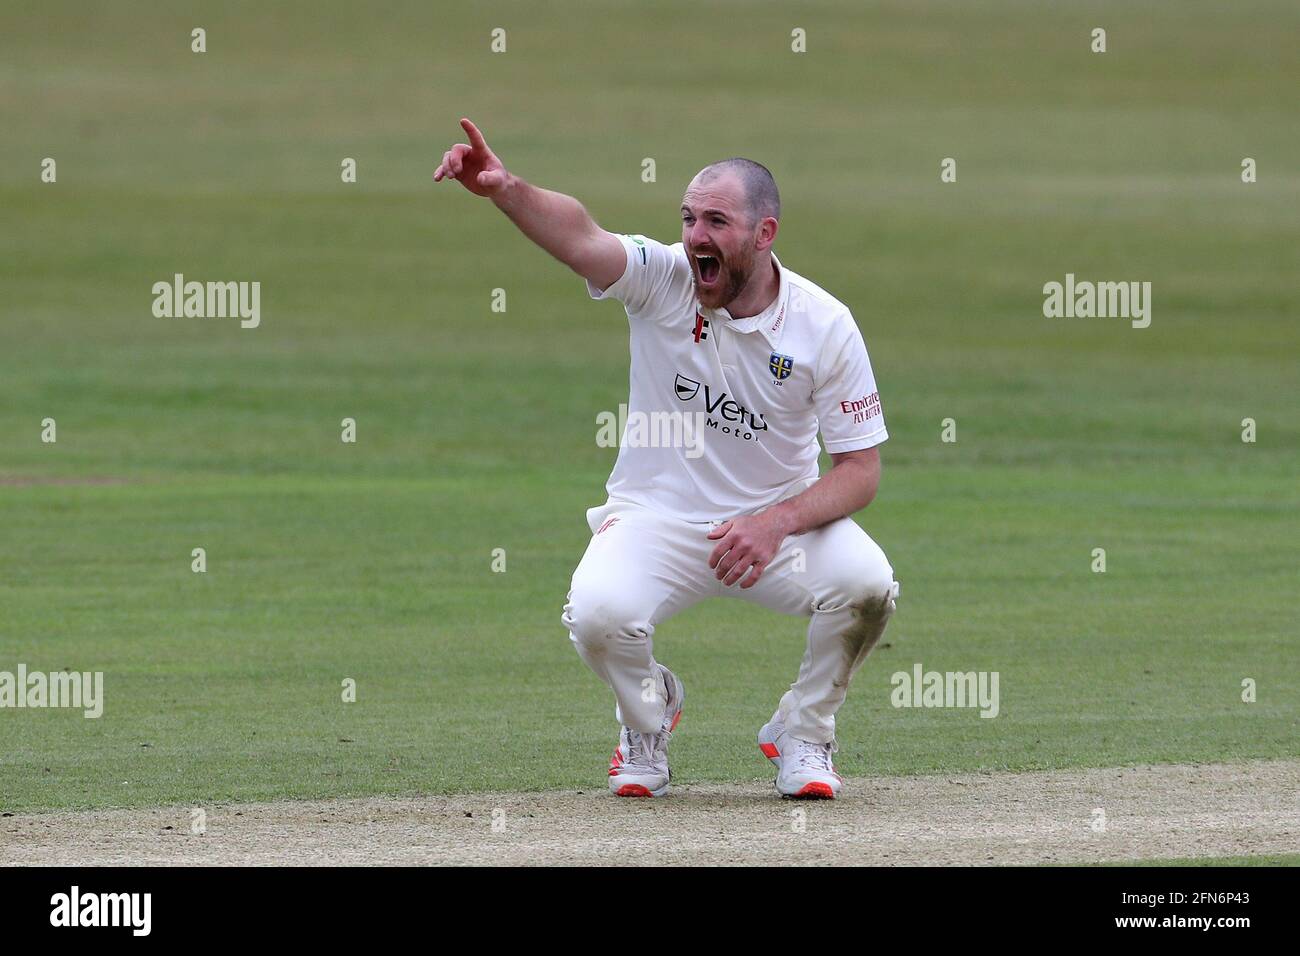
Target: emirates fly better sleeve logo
{"type": "Point", "coordinates": [862, 408]}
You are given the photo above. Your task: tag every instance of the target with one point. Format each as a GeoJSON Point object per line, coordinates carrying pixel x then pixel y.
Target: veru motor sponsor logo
{"type": "Point", "coordinates": [722, 413]}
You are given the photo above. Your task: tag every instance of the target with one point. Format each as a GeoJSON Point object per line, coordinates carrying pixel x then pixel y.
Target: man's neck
{"type": "Point", "coordinates": [758, 294]}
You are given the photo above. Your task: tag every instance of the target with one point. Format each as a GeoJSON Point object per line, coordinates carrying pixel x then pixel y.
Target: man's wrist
{"type": "Point", "coordinates": [785, 517]}
{"type": "Point", "coordinates": [506, 195]}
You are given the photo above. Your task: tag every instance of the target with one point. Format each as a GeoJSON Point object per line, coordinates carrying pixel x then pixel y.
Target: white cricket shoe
{"type": "Point", "coordinates": [804, 768]}
{"type": "Point", "coordinates": [639, 765]}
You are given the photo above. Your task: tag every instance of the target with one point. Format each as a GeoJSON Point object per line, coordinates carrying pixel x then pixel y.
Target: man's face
{"type": "Point", "coordinates": [719, 238]}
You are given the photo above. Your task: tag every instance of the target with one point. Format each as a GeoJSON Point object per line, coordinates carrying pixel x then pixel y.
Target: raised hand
{"type": "Point", "coordinates": [472, 164]}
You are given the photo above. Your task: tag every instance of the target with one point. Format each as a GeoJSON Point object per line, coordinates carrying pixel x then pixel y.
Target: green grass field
{"type": "Point", "coordinates": [476, 430]}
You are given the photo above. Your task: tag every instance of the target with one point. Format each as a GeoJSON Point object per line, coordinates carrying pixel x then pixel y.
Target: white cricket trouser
{"type": "Point", "coordinates": [642, 567]}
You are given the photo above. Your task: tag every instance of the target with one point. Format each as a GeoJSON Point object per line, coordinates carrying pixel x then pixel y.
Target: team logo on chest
{"type": "Point", "coordinates": [781, 365]}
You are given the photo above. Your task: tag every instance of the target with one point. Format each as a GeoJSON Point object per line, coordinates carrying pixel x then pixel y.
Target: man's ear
{"type": "Point", "coordinates": [767, 229]}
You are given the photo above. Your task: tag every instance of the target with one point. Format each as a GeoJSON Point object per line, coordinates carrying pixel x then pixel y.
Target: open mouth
{"type": "Point", "coordinates": [709, 267]}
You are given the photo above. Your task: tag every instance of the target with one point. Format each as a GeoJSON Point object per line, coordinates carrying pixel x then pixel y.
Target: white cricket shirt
{"type": "Point", "coordinates": [723, 414]}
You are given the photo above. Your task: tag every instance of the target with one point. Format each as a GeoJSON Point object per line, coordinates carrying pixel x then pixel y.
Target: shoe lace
{"type": "Point", "coordinates": [646, 750]}
{"type": "Point", "coordinates": [812, 756]}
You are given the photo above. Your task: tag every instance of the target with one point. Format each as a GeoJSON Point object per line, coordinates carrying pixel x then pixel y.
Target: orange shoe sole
{"type": "Point", "coordinates": [632, 790]}
{"type": "Point", "coordinates": [816, 791]}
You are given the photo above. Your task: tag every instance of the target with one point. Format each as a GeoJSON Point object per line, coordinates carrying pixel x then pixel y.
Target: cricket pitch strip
{"type": "Point", "coordinates": [1075, 816]}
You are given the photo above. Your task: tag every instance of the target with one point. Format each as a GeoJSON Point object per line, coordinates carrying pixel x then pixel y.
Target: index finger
{"type": "Point", "coordinates": [475, 137]}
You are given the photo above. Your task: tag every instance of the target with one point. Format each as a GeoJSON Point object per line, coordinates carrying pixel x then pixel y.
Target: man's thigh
{"type": "Point", "coordinates": [639, 567]}
{"type": "Point", "coordinates": [822, 569]}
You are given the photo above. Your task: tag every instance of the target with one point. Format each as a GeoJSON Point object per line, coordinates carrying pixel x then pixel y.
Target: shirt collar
{"type": "Point", "coordinates": [772, 320]}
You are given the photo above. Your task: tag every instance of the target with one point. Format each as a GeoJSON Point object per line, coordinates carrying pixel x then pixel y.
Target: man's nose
{"type": "Point", "coordinates": [699, 236]}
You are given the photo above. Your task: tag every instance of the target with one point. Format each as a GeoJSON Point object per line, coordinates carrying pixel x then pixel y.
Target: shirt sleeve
{"type": "Point", "coordinates": [656, 276]}
{"type": "Point", "coordinates": [844, 395]}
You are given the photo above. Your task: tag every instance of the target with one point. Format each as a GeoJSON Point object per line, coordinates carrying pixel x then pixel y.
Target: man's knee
{"type": "Point", "coordinates": [865, 580]}
{"type": "Point", "coordinates": [597, 617]}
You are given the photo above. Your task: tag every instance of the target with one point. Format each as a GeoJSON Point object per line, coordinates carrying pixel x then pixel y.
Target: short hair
{"type": "Point", "coordinates": [761, 196]}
